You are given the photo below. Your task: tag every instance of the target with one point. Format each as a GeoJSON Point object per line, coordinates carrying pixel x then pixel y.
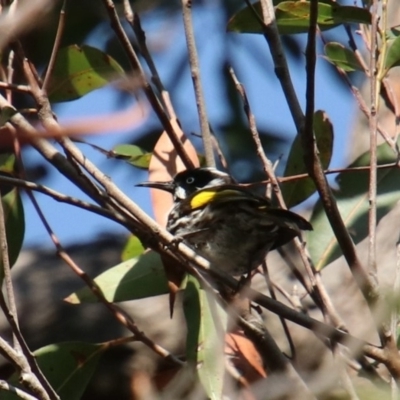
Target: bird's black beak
{"type": "Point", "coordinates": [166, 186]}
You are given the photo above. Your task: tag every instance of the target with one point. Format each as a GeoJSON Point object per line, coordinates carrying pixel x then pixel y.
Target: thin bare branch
{"type": "Point", "coordinates": [23, 358]}
{"type": "Point", "coordinates": [310, 151]}
{"type": "Point", "coordinates": [271, 289]}
{"type": "Point", "coordinates": [18, 392]}
{"type": "Point", "coordinates": [5, 261]}
{"type": "Point", "coordinates": [375, 85]}
{"type": "Point", "coordinates": [148, 90]}
{"type": "Point", "coordinates": [315, 287]}
{"type": "Point", "coordinates": [15, 88]}
{"type": "Point", "coordinates": [30, 371]}
{"type": "Point", "coordinates": [21, 19]}
{"type": "Point", "coordinates": [268, 23]}
{"type": "Point", "coordinates": [355, 91]}
{"type": "Point", "coordinates": [198, 90]}
{"type": "Point", "coordinates": [316, 172]}
{"type": "Point", "coordinates": [56, 45]}
{"type": "Point", "coordinates": [277, 362]}
{"type": "Point", "coordinates": [63, 198]}
{"type": "Point", "coordinates": [134, 21]}
{"type": "Point", "coordinates": [357, 53]}
{"type": "Point", "coordinates": [395, 313]}
{"type": "Point", "coordinates": [267, 164]}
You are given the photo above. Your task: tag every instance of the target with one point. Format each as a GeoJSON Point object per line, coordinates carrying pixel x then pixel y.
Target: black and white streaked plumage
{"type": "Point", "coordinates": [226, 223]}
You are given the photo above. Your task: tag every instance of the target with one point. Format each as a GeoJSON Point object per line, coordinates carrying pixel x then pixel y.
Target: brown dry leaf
{"type": "Point", "coordinates": [164, 165]}
{"type": "Point", "coordinates": [142, 386]}
{"type": "Point", "coordinates": [247, 358]}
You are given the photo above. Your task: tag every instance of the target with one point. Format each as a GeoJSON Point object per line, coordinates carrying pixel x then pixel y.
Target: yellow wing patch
{"type": "Point", "coordinates": [207, 196]}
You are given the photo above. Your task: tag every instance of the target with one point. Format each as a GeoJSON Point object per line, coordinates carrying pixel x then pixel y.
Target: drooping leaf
{"type": "Point", "coordinates": [352, 200]}
{"type": "Point", "coordinates": [68, 366]}
{"type": "Point", "coordinates": [15, 223]}
{"type": "Point", "coordinates": [133, 155]}
{"type": "Point", "coordinates": [244, 353]}
{"type": "Point", "coordinates": [13, 213]}
{"type": "Point", "coordinates": [393, 54]}
{"type": "Point", "coordinates": [80, 70]}
{"type": "Point", "coordinates": [133, 248]}
{"type": "Point", "coordinates": [134, 279]}
{"type": "Point", "coordinates": [294, 192]}
{"type": "Point", "coordinates": [206, 323]}
{"type": "Point", "coordinates": [342, 57]}
{"type": "Point", "coordinates": [293, 17]}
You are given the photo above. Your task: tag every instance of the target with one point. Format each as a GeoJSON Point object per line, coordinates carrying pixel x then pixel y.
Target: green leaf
{"type": "Point", "coordinates": [133, 155]}
{"type": "Point", "coordinates": [295, 192]}
{"type": "Point", "coordinates": [7, 163]}
{"type": "Point", "coordinates": [15, 224]}
{"type": "Point", "coordinates": [133, 248]}
{"type": "Point", "coordinates": [80, 70]}
{"type": "Point", "coordinates": [206, 322]}
{"type": "Point", "coordinates": [5, 114]}
{"type": "Point", "coordinates": [342, 57]}
{"type": "Point", "coordinates": [293, 17]}
{"type": "Point", "coordinates": [68, 367]}
{"type": "Point", "coordinates": [393, 54]}
{"type": "Point", "coordinates": [352, 200]}
{"type": "Point", "coordinates": [134, 279]}
{"type": "Point", "coordinates": [393, 32]}
{"type": "Point", "coordinates": [13, 212]}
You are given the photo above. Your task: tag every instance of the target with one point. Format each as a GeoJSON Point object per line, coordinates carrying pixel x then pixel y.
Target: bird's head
{"type": "Point", "coordinates": [187, 182]}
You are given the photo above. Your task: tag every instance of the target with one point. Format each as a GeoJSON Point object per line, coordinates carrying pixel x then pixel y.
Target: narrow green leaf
{"type": "Point", "coordinates": [7, 163]}
{"type": "Point", "coordinates": [133, 248]}
{"type": "Point", "coordinates": [133, 155]}
{"type": "Point", "coordinates": [206, 322]}
{"type": "Point", "coordinates": [5, 114]}
{"type": "Point", "coordinates": [352, 200]}
{"type": "Point", "coordinates": [393, 54]}
{"type": "Point", "coordinates": [80, 70]}
{"type": "Point", "coordinates": [68, 367]}
{"type": "Point", "coordinates": [293, 17]}
{"type": "Point", "coordinates": [342, 57]}
{"type": "Point", "coordinates": [13, 213]}
{"type": "Point", "coordinates": [15, 224]}
{"type": "Point", "coordinates": [134, 279]}
{"type": "Point", "coordinates": [295, 192]}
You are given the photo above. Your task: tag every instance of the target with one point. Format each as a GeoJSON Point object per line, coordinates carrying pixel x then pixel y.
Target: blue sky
{"type": "Point", "coordinates": [167, 41]}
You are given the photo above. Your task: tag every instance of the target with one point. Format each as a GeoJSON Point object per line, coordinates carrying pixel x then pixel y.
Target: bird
{"type": "Point", "coordinates": [224, 222]}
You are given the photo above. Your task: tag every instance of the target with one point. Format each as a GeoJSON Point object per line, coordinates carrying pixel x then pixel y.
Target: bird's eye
{"type": "Point", "coordinates": [190, 180]}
